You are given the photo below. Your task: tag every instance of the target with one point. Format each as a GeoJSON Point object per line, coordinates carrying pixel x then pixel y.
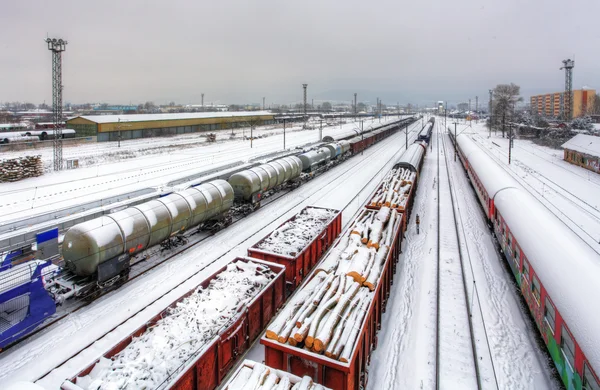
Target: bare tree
{"type": "Point", "coordinates": [595, 107]}
{"type": "Point", "coordinates": [506, 97]}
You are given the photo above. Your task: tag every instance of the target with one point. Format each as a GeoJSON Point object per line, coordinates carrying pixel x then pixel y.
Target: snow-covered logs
{"type": "Point", "coordinates": [159, 353]}
{"type": "Point", "coordinates": [361, 252]}
{"type": "Point", "coordinates": [21, 168]}
{"type": "Point", "coordinates": [323, 315]}
{"type": "Point", "coordinates": [253, 375]}
{"type": "Point", "coordinates": [294, 235]}
{"type": "Point", "coordinates": [394, 191]}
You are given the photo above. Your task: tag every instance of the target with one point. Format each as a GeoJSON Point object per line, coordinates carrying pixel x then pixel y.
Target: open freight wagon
{"type": "Point", "coordinates": [207, 366]}
{"type": "Point", "coordinates": [299, 242]}
{"type": "Point", "coordinates": [345, 370]}
{"type": "Point", "coordinates": [251, 374]}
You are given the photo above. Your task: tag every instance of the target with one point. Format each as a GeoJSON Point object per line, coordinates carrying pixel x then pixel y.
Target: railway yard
{"type": "Point", "coordinates": [403, 255]}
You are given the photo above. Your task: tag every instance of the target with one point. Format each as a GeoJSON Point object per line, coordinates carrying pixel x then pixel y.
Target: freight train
{"type": "Point", "coordinates": [557, 273]}
{"type": "Point", "coordinates": [209, 365]}
{"type": "Point", "coordinates": [98, 253]}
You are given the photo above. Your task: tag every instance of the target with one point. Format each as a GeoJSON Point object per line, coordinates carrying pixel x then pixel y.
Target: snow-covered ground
{"type": "Point", "coordinates": [154, 163]}
{"type": "Point", "coordinates": [346, 186]}
{"type": "Point", "coordinates": [509, 354]}
{"type": "Point", "coordinates": [570, 192]}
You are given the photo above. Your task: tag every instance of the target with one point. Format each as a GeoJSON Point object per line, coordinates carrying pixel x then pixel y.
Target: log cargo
{"type": "Point", "coordinates": [394, 191]}
{"type": "Point", "coordinates": [334, 316]}
{"type": "Point", "coordinates": [253, 375]}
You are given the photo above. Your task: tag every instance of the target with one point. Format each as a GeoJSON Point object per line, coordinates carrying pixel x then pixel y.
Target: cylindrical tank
{"type": "Point", "coordinates": [334, 149]}
{"type": "Point", "coordinates": [90, 243]}
{"type": "Point", "coordinates": [312, 159]}
{"type": "Point", "coordinates": [134, 229]}
{"type": "Point", "coordinates": [296, 166]}
{"type": "Point", "coordinates": [180, 212]}
{"type": "Point", "coordinates": [345, 146]}
{"type": "Point", "coordinates": [159, 219]}
{"type": "Point", "coordinates": [245, 184]}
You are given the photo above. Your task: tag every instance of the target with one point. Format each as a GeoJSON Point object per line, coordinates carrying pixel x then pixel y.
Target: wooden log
{"type": "Point", "coordinates": [271, 382]}
{"type": "Point", "coordinates": [259, 373]}
{"type": "Point", "coordinates": [339, 330]}
{"type": "Point", "coordinates": [324, 307]}
{"type": "Point", "coordinates": [325, 335]}
{"type": "Point", "coordinates": [284, 384]}
{"type": "Point", "coordinates": [357, 301]}
{"type": "Point", "coordinates": [354, 329]}
{"type": "Point", "coordinates": [359, 264]}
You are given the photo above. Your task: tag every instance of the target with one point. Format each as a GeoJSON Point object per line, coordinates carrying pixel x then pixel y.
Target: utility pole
{"type": "Point", "coordinates": [320, 130]}
{"type": "Point", "coordinates": [455, 140]}
{"type": "Point", "coordinates": [445, 115]}
{"type": "Point", "coordinates": [509, 142]}
{"type": "Point", "coordinates": [263, 103]}
{"type": "Point", "coordinates": [283, 133]}
{"type": "Point", "coordinates": [469, 105]}
{"type": "Point", "coordinates": [491, 114]}
{"type": "Point", "coordinates": [57, 46]}
{"type": "Point", "coordinates": [568, 66]}
{"type": "Point", "coordinates": [354, 105]}
{"type": "Point", "coordinates": [304, 87]}
{"type": "Point", "coordinates": [476, 104]}
{"type": "Point", "coordinates": [406, 133]}
{"type": "Point", "coordinates": [202, 101]}
{"type": "Point", "coordinates": [362, 134]}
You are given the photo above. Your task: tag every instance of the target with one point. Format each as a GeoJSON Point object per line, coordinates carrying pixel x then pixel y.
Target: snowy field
{"type": "Point", "coordinates": [346, 186]}
{"type": "Point", "coordinates": [508, 352]}
{"type": "Point", "coordinates": [147, 167]}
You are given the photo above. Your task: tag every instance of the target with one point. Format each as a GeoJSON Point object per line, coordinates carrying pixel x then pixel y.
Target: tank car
{"type": "Point", "coordinates": [102, 247]}
{"type": "Point", "coordinates": [250, 185]}
{"type": "Point", "coordinates": [314, 159]}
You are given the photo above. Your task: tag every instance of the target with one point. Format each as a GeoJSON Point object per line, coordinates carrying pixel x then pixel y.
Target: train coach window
{"type": "Point", "coordinates": [589, 382]}
{"type": "Point", "coordinates": [567, 346]}
{"type": "Point", "coordinates": [517, 257]}
{"type": "Point", "coordinates": [549, 314]}
{"type": "Point", "coordinates": [535, 287]}
{"type": "Point", "coordinates": [526, 270]}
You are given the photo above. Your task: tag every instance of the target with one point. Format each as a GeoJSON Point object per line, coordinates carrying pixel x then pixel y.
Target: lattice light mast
{"type": "Point", "coordinates": [568, 66]}
{"type": "Point", "coordinates": [57, 46]}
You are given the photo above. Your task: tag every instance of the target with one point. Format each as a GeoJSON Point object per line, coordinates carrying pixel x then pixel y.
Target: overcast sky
{"type": "Point", "coordinates": [239, 51]}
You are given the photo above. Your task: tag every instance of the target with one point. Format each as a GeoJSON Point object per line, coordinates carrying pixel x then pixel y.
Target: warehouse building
{"type": "Point", "coordinates": [552, 104]}
{"type": "Point", "coordinates": [115, 127]}
{"type": "Point", "coordinates": [583, 150]}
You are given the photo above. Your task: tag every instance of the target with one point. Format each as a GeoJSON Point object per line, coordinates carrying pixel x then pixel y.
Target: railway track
{"type": "Point", "coordinates": [456, 352]}
{"type": "Point", "coordinates": [592, 241]}
{"type": "Point", "coordinates": [561, 191]}
{"type": "Point", "coordinates": [143, 267]}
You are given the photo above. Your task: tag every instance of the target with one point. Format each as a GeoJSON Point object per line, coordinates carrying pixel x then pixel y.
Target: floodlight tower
{"type": "Point", "coordinates": [568, 66]}
{"type": "Point", "coordinates": [57, 46]}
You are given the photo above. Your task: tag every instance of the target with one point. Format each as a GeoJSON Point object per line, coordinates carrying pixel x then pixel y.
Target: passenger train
{"type": "Point", "coordinates": [558, 273]}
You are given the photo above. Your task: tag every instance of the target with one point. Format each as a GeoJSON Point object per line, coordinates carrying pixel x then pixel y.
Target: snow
{"type": "Point", "coordinates": [117, 314]}
{"type": "Point", "coordinates": [561, 261]}
{"type": "Point", "coordinates": [248, 367]}
{"type": "Point", "coordinates": [139, 164]}
{"type": "Point", "coordinates": [582, 143]}
{"type": "Point", "coordinates": [292, 237]}
{"type": "Point", "coordinates": [157, 355]}
{"type": "Point", "coordinates": [175, 116]}
{"type": "Point", "coordinates": [405, 356]}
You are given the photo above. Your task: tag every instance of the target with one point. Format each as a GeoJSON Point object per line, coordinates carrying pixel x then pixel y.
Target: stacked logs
{"type": "Point", "coordinates": [394, 190]}
{"type": "Point", "coordinates": [21, 168]}
{"type": "Point", "coordinates": [362, 252]}
{"type": "Point", "coordinates": [261, 377]}
{"type": "Point", "coordinates": [326, 315]}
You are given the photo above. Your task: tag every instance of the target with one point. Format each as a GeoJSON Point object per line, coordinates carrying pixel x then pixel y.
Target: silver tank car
{"type": "Point", "coordinates": [335, 149]}
{"type": "Point", "coordinates": [345, 146]}
{"type": "Point", "coordinates": [89, 244]}
{"type": "Point", "coordinates": [314, 158]}
{"type": "Point", "coordinates": [250, 184]}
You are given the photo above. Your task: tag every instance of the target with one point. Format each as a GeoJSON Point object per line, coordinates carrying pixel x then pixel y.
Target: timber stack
{"type": "Point", "coordinates": [20, 168]}
{"type": "Point", "coordinates": [394, 190]}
